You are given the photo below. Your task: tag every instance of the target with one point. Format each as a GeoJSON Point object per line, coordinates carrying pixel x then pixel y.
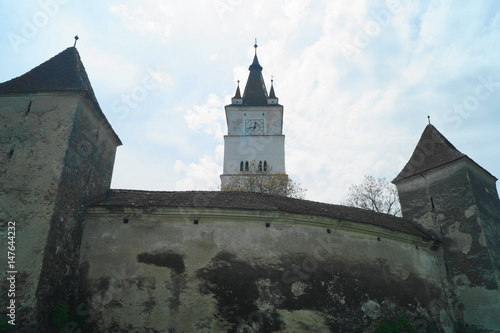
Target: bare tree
{"type": "Point", "coordinates": [262, 180]}
{"type": "Point", "coordinates": [376, 194]}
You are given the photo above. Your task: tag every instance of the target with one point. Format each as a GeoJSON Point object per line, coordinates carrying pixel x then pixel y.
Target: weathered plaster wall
{"type": "Point", "coordinates": [466, 215]}
{"type": "Point", "coordinates": [33, 136]}
{"type": "Point", "coordinates": [57, 152]}
{"type": "Point", "coordinates": [215, 270]}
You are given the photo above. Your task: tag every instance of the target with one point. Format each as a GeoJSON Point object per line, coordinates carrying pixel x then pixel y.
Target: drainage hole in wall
{"type": "Point", "coordinates": [195, 221]}
{"type": "Point", "coordinates": [125, 220]}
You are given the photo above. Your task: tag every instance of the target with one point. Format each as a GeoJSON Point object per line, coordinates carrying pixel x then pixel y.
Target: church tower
{"type": "Point", "coordinates": [254, 145]}
{"type": "Point", "coordinates": [445, 191]}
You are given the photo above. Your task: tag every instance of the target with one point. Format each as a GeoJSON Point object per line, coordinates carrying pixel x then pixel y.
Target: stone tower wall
{"type": "Point", "coordinates": [57, 153]}
{"type": "Point", "coordinates": [458, 201]}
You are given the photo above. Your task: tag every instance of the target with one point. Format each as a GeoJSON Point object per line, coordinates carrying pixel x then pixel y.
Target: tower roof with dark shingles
{"type": "Point", "coordinates": [433, 150]}
{"type": "Point", "coordinates": [255, 92]}
{"type": "Point", "coordinates": [63, 72]}
{"type": "Point", "coordinates": [257, 201]}
{"type": "Point", "coordinates": [271, 92]}
{"type": "Point", "coordinates": [238, 93]}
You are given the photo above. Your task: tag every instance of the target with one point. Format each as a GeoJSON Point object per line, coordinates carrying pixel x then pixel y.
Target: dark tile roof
{"type": "Point", "coordinates": [238, 93]}
{"type": "Point", "coordinates": [432, 150]}
{"type": "Point", "coordinates": [63, 72]}
{"type": "Point", "coordinates": [256, 201]}
{"type": "Point", "coordinates": [271, 92]}
{"type": "Point", "coordinates": [255, 92]}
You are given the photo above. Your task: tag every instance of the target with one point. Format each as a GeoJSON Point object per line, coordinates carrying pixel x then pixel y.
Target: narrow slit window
{"type": "Point", "coordinates": [265, 165]}
{"type": "Point", "coordinates": [260, 166]}
{"type": "Point", "coordinates": [246, 166]}
{"type": "Point", "coordinates": [241, 166]}
{"type": "Point", "coordinates": [28, 109]}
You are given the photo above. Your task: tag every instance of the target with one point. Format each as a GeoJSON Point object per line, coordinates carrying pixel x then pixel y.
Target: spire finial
{"type": "Point", "coordinates": [272, 80]}
{"type": "Point", "coordinates": [429, 119]}
{"type": "Point", "coordinates": [256, 46]}
{"type": "Point", "coordinates": [76, 39]}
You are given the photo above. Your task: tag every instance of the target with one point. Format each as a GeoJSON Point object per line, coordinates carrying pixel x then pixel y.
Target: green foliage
{"type": "Point", "coordinates": [60, 315]}
{"type": "Point", "coordinates": [398, 325]}
{"type": "Point", "coordinates": [67, 318]}
{"type": "Point", "coordinates": [4, 325]}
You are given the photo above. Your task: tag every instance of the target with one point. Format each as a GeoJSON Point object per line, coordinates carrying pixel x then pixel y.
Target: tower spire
{"type": "Point", "coordinates": [255, 92]}
{"type": "Point", "coordinates": [237, 96]}
{"type": "Point", "coordinates": [272, 99]}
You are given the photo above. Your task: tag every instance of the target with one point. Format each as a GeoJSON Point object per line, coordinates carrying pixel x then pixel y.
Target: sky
{"type": "Point", "coordinates": [357, 80]}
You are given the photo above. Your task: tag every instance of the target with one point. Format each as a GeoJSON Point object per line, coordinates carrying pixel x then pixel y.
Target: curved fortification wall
{"type": "Point", "coordinates": [208, 269]}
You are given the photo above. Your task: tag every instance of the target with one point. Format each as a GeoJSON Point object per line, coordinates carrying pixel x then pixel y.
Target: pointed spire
{"type": "Point", "coordinates": [272, 99]}
{"type": "Point", "coordinates": [237, 96]}
{"type": "Point", "coordinates": [432, 150]}
{"type": "Point", "coordinates": [271, 93]}
{"type": "Point", "coordinates": [255, 90]}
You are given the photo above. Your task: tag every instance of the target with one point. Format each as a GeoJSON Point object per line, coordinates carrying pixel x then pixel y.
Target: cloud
{"type": "Point", "coordinates": [203, 175]}
{"type": "Point", "coordinates": [346, 114]}
{"type": "Point", "coordinates": [150, 17]}
{"type": "Point", "coordinates": [207, 118]}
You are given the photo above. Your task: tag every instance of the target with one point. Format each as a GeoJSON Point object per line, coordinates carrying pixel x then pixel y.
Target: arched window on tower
{"type": "Point", "coordinates": [241, 166]}
{"type": "Point", "coordinates": [260, 166]}
{"type": "Point", "coordinates": [265, 165]}
{"type": "Point", "coordinates": [246, 166]}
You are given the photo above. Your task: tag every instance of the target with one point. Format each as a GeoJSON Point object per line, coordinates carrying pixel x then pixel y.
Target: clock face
{"type": "Point", "coordinates": [254, 126]}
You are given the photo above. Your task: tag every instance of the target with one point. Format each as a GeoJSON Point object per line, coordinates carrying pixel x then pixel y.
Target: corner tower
{"type": "Point", "coordinates": [57, 152]}
{"type": "Point", "coordinates": [255, 144]}
{"type": "Point", "coordinates": [444, 190]}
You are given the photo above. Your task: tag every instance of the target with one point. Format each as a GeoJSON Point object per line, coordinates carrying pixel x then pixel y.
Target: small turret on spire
{"type": "Point", "coordinates": [237, 96]}
{"type": "Point", "coordinates": [272, 99]}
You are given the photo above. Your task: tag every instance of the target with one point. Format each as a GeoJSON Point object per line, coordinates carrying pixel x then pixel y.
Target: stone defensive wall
{"type": "Point", "coordinates": [248, 262]}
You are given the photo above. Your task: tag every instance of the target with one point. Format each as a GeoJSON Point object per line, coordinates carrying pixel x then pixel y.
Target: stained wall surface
{"type": "Point", "coordinates": [165, 269]}
{"type": "Point", "coordinates": [465, 211]}
{"type": "Point", "coordinates": [57, 152]}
